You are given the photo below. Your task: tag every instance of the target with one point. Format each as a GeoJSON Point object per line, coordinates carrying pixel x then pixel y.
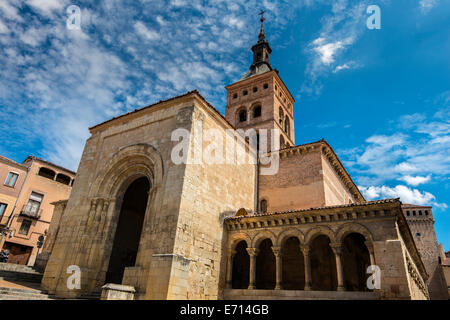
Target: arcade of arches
{"type": "Point", "coordinates": [318, 265]}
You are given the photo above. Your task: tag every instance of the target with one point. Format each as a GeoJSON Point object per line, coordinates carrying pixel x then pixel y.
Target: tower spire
{"type": "Point", "coordinates": [262, 36]}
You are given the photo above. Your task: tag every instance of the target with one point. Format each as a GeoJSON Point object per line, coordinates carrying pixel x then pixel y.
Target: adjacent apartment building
{"type": "Point", "coordinates": [26, 193]}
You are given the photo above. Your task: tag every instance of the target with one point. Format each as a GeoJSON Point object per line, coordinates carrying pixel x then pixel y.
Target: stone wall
{"type": "Point", "coordinates": [336, 193]}
{"type": "Point", "coordinates": [307, 179]}
{"type": "Point", "coordinates": [210, 193]}
{"type": "Point", "coordinates": [42, 258]}
{"type": "Point", "coordinates": [298, 183]}
{"type": "Point", "coordinates": [421, 223]}
{"type": "Point", "coordinates": [181, 241]}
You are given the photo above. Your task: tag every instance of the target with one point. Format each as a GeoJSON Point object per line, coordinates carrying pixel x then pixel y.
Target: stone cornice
{"type": "Point", "coordinates": [371, 210]}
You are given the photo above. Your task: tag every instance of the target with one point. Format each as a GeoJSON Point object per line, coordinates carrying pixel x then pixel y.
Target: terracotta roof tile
{"type": "Point", "coordinates": [361, 204]}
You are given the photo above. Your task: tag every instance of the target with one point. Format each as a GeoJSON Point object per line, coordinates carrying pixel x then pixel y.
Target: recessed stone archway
{"type": "Point", "coordinates": [240, 267]}
{"type": "Point", "coordinates": [265, 277]}
{"type": "Point", "coordinates": [129, 228]}
{"type": "Point", "coordinates": [293, 267]}
{"type": "Point", "coordinates": [355, 261]}
{"type": "Point", "coordinates": [323, 264]}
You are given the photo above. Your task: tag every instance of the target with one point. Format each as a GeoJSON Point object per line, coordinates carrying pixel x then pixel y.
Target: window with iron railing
{"type": "Point", "coordinates": [32, 208]}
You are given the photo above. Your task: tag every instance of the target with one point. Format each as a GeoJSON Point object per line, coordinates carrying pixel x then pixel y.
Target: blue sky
{"type": "Point", "coordinates": [381, 98]}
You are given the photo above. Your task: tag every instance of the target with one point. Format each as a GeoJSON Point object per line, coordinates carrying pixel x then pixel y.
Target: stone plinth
{"type": "Point", "coordinates": [112, 291]}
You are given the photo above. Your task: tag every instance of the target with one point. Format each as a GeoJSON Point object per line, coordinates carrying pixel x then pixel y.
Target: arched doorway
{"type": "Point", "coordinates": [241, 267]}
{"type": "Point", "coordinates": [265, 266]}
{"type": "Point", "coordinates": [323, 265]}
{"type": "Point", "coordinates": [129, 228]}
{"type": "Point", "coordinates": [293, 265]}
{"type": "Point", "coordinates": [355, 260]}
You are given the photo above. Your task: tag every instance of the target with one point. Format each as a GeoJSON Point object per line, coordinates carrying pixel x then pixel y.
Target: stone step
{"type": "Point", "coordinates": [22, 294]}
{"type": "Point", "coordinates": [9, 275]}
{"type": "Point", "coordinates": [17, 268]}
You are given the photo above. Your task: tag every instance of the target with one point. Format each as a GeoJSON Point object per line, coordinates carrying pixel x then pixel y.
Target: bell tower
{"type": "Point", "coordinates": [260, 99]}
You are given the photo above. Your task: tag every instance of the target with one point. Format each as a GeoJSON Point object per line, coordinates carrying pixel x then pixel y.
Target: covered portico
{"type": "Point", "coordinates": [315, 253]}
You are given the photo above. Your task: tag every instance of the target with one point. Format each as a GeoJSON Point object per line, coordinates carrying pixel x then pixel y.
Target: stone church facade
{"type": "Point", "coordinates": [226, 231]}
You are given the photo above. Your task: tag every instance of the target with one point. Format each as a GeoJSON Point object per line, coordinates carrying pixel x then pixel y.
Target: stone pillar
{"type": "Point", "coordinates": [252, 252]}
{"type": "Point", "coordinates": [279, 267]}
{"type": "Point", "coordinates": [337, 249]}
{"type": "Point", "coordinates": [230, 257]}
{"type": "Point", "coordinates": [306, 251]}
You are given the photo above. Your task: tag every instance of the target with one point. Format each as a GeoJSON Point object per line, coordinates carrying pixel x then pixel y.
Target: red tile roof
{"type": "Point", "coordinates": [361, 204]}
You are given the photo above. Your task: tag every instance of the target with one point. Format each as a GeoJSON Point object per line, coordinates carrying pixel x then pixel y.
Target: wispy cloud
{"type": "Point", "coordinates": [417, 154]}
{"type": "Point", "coordinates": [127, 54]}
{"type": "Point", "coordinates": [427, 5]}
{"type": "Point", "coordinates": [340, 30]}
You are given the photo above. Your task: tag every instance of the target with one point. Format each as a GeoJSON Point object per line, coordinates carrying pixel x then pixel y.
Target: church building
{"type": "Point", "coordinates": [198, 230]}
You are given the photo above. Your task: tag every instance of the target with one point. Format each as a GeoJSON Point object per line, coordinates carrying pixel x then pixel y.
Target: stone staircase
{"type": "Point", "coordinates": [23, 294]}
{"type": "Point", "coordinates": [20, 282]}
{"type": "Point", "coordinates": [19, 273]}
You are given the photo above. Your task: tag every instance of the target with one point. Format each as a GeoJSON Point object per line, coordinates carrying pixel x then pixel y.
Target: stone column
{"type": "Point", "coordinates": [279, 267]}
{"type": "Point", "coordinates": [230, 257]}
{"type": "Point", "coordinates": [252, 252]}
{"type": "Point", "coordinates": [337, 249]}
{"type": "Point", "coordinates": [306, 251]}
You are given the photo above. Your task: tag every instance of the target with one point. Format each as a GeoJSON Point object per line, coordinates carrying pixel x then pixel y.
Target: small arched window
{"type": "Point", "coordinates": [263, 206]}
{"type": "Point", "coordinates": [255, 89]}
{"type": "Point", "coordinates": [257, 112]}
{"type": "Point", "coordinates": [245, 92]}
{"type": "Point", "coordinates": [287, 126]}
{"type": "Point", "coordinates": [280, 116]}
{"type": "Point", "coordinates": [266, 86]}
{"type": "Point", "coordinates": [47, 173]}
{"type": "Point", "coordinates": [242, 115]}
{"type": "Point", "coordinates": [235, 96]}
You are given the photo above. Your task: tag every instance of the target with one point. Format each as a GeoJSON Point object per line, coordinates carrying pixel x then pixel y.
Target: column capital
{"type": "Point", "coordinates": [336, 247]}
{"type": "Point", "coordinates": [277, 251]}
{"type": "Point", "coordinates": [252, 252]}
{"type": "Point", "coordinates": [305, 249]}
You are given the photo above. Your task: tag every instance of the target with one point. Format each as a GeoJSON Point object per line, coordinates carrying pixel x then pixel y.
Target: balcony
{"type": "Point", "coordinates": [30, 212]}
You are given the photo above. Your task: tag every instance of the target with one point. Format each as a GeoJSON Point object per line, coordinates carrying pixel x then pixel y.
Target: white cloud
{"type": "Point", "coordinates": [341, 67]}
{"type": "Point", "coordinates": [145, 32]}
{"type": "Point", "coordinates": [415, 181]}
{"type": "Point", "coordinates": [66, 81]}
{"type": "Point", "coordinates": [406, 195]}
{"type": "Point", "coordinates": [427, 5]}
{"type": "Point", "coordinates": [10, 10]}
{"type": "Point", "coordinates": [339, 31]}
{"type": "Point", "coordinates": [47, 7]}
{"type": "Point", "coordinates": [326, 51]}
{"type": "Point", "coordinates": [3, 27]}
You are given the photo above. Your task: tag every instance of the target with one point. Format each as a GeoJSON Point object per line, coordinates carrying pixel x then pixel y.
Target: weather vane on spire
{"type": "Point", "coordinates": [261, 33]}
{"type": "Point", "coordinates": [261, 13]}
